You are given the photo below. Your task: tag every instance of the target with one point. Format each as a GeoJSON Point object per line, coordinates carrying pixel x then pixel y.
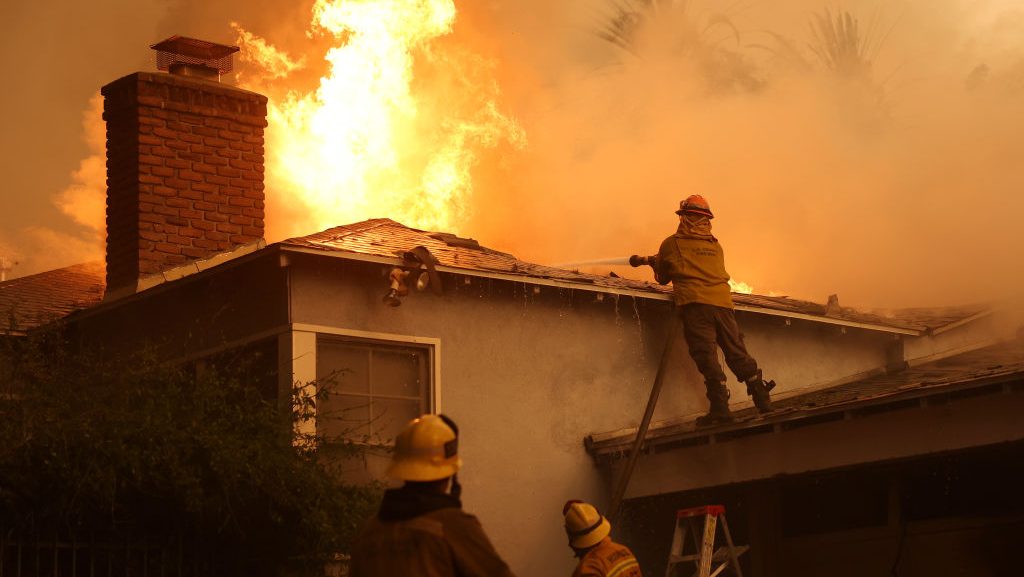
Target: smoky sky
{"type": "Point", "coordinates": [895, 182]}
{"type": "Point", "coordinates": [58, 55]}
{"type": "Point", "coordinates": [899, 184]}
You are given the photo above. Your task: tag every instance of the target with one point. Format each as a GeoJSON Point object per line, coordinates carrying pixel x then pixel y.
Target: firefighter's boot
{"type": "Point", "coordinates": [760, 391]}
{"type": "Point", "coordinates": [719, 412]}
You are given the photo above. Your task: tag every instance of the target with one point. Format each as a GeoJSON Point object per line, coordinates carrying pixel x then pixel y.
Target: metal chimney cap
{"type": "Point", "coordinates": [193, 52]}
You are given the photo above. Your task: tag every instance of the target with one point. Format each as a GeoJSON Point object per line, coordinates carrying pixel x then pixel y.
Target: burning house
{"type": "Point", "coordinates": [896, 442]}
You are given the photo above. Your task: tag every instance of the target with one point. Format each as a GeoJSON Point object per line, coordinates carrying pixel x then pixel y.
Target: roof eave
{"type": "Point", "coordinates": [961, 322]}
{"type": "Point", "coordinates": [610, 446]}
{"type": "Point", "coordinates": [395, 261]}
{"type": "Point", "coordinates": [173, 278]}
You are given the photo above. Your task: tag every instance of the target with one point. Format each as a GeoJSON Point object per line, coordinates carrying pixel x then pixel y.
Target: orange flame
{"type": "Point", "coordinates": [740, 287]}
{"type": "Point", "coordinates": [373, 139]}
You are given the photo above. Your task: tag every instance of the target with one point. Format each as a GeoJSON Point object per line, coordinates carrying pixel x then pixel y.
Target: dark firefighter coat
{"type": "Point", "coordinates": [427, 535]}
{"type": "Point", "coordinates": [696, 268]}
{"type": "Point", "coordinates": [608, 559]}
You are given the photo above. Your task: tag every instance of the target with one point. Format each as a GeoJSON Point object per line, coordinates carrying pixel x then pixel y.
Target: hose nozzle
{"type": "Point", "coordinates": [637, 260]}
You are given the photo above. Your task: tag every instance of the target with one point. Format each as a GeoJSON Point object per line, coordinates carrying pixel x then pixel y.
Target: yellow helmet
{"type": "Point", "coordinates": [426, 450]}
{"type": "Point", "coordinates": [584, 524]}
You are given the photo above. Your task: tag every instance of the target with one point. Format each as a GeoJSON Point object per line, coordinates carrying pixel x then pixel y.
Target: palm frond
{"type": "Point", "coordinates": [842, 45]}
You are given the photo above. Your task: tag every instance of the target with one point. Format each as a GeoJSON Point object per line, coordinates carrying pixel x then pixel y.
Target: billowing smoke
{"type": "Point", "coordinates": [867, 149]}
{"type": "Point", "coordinates": [83, 202]}
{"type": "Point", "coordinates": [879, 162]}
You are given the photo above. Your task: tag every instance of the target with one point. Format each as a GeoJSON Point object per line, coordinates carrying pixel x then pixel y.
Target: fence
{"type": "Point", "coordinates": [56, 557]}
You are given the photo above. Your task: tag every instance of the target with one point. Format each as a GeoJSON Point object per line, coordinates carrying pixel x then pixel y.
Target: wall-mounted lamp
{"type": "Point", "coordinates": [420, 261]}
{"type": "Point", "coordinates": [397, 288]}
{"type": "Point", "coordinates": [398, 280]}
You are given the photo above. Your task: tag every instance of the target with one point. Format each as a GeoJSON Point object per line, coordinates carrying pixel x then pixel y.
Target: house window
{"type": "Point", "coordinates": [373, 388]}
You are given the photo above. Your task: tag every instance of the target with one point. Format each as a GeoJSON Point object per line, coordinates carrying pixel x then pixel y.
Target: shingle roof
{"type": "Point", "coordinates": [981, 371]}
{"type": "Point", "coordinates": [386, 238]}
{"type": "Point", "coordinates": [30, 301]}
{"type": "Point", "coordinates": [36, 299]}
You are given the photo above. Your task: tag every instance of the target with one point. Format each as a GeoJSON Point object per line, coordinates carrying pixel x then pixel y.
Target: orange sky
{"type": "Point", "coordinates": [904, 189]}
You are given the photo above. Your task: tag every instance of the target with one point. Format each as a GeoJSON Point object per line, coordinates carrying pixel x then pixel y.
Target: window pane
{"type": "Point", "coordinates": [357, 375]}
{"type": "Point", "coordinates": [344, 416]}
{"type": "Point", "coordinates": [391, 415]}
{"type": "Point", "coordinates": [342, 367]}
{"type": "Point", "coordinates": [397, 372]}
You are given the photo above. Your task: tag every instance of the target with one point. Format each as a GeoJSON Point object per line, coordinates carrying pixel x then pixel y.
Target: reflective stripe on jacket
{"type": "Point", "coordinates": [696, 268]}
{"type": "Point", "coordinates": [442, 543]}
{"type": "Point", "coordinates": [608, 559]}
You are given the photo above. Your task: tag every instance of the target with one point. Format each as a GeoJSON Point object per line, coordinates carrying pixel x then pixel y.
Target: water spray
{"type": "Point", "coordinates": [633, 261]}
{"type": "Point", "coordinates": [619, 260]}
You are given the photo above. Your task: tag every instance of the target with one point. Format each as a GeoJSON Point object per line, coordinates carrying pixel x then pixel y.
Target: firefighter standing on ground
{"type": "Point", "coordinates": [421, 529]}
{"type": "Point", "coordinates": [588, 537]}
{"type": "Point", "coordinates": [692, 260]}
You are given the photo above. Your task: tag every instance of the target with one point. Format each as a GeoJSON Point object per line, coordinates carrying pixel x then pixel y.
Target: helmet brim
{"type": "Point", "coordinates": [592, 538]}
{"type": "Point", "coordinates": [416, 470]}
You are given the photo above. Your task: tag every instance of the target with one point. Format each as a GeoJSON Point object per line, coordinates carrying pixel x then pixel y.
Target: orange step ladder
{"type": "Point", "coordinates": [700, 525]}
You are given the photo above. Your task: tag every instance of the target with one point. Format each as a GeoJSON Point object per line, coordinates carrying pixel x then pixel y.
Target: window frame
{"type": "Point", "coordinates": [304, 351]}
{"type": "Point", "coordinates": [369, 349]}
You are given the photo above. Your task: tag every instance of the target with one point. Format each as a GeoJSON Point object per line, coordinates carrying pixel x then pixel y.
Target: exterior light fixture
{"type": "Point", "coordinates": [397, 287]}
{"type": "Point", "coordinates": [418, 262]}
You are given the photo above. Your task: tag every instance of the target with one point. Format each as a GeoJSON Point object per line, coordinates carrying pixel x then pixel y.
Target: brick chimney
{"type": "Point", "coordinates": [184, 164]}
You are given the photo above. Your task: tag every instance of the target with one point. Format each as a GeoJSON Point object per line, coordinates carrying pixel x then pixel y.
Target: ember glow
{"type": "Point", "coordinates": [373, 139]}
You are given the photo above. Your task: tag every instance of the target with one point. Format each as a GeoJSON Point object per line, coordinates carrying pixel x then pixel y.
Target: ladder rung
{"type": "Point", "coordinates": [700, 524]}
{"type": "Point", "coordinates": [738, 549]}
{"type": "Point", "coordinates": [720, 554]}
{"type": "Point", "coordinates": [723, 552]}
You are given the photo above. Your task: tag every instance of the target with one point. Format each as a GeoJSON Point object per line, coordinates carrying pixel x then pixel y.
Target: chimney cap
{"type": "Point", "coordinates": [192, 51]}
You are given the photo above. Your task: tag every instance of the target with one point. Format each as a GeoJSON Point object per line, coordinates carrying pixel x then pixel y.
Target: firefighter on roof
{"type": "Point", "coordinates": [693, 261]}
{"type": "Point", "coordinates": [588, 537]}
{"type": "Point", "coordinates": [421, 528]}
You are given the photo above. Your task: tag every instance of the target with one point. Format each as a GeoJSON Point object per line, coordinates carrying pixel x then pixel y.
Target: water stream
{"type": "Point", "coordinates": [619, 260]}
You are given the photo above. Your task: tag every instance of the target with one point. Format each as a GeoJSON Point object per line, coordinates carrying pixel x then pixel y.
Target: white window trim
{"type": "Point", "coordinates": [304, 350]}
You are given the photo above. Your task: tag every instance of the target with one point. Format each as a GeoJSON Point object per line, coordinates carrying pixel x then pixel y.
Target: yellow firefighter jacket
{"type": "Point", "coordinates": [427, 535]}
{"type": "Point", "coordinates": [696, 268]}
{"type": "Point", "coordinates": [608, 559]}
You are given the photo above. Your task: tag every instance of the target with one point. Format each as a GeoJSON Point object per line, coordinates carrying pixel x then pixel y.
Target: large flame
{"type": "Point", "coordinates": [373, 139]}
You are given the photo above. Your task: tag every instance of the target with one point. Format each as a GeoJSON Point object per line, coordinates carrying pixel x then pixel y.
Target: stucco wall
{"type": "Point", "coordinates": [805, 356]}
{"type": "Point", "coordinates": [527, 375]}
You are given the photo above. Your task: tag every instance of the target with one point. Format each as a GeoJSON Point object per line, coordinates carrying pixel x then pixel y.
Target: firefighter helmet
{"type": "Point", "coordinates": [584, 524]}
{"type": "Point", "coordinates": [426, 450]}
{"type": "Point", "coordinates": [695, 204]}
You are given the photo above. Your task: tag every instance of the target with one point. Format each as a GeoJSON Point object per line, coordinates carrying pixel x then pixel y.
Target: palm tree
{"type": "Point", "coordinates": [842, 46]}
{"type": "Point", "coordinates": [671, 28]}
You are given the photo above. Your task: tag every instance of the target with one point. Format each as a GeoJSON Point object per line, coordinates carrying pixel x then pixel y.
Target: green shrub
{"type": "Point", "coordinates": [129, 445]}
